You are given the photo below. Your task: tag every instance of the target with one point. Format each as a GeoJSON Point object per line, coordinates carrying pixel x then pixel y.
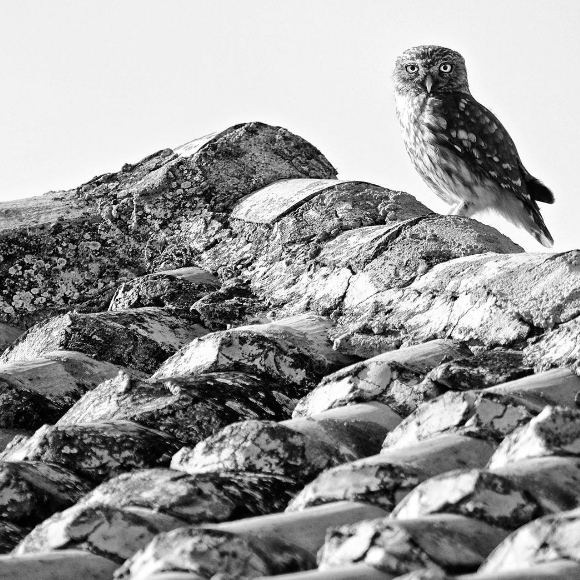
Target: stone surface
{"type": "Point", "coordinates": [448, 543]}
{"type": "Point", "coordinates": [385, 479]}
{"type": "Point", "coordinates": [215, 553]}
{"type": "Point", "coordinates": [294, 351]}
{"type": "Point", "coordinates": [263, 447]}
{"type": "Point", "coordinates": [197, 498]}
{"type": "Point", "coordinates": [67, 247]}
{"type": "Point", "coordinates": [96, 451]}
{"type": "Point", "coordinates": [139, 339]}
{"type": "Point", "coordinates": [473, 413]}
{"type": "Point", "coordinates": [176, 289]}
{"type": "Point", "coordinates": [473, 493]}
{"type": "Point", "coordinates": [189, 409]}
{"type": "Point", "coordinates": [484, 299]}
{"type": "Point", "coordinates": [102, 530]}
{"type": "Point", "coordinates": [393, 378]}
{"type": "Point", "coordinates": [555, 431]}
{"type": "Point", "coordinates": [31, 491]}
{"type": "Point", "coordinates": [553, 537]}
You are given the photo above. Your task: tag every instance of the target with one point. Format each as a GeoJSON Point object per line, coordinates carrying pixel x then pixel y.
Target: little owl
{"type": "Point", "coordinates": [460, 148]}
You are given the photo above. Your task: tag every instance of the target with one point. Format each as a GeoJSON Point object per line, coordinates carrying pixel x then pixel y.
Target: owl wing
{"type": "Point", "coordinates": [474, 134]}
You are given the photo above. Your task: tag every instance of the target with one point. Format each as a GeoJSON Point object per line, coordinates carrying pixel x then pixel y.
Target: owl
{"type": "Point", "coordinates": [459, 147]}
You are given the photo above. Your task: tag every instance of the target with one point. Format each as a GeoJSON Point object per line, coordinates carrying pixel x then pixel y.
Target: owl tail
{"type": "Point", "coordinates": [534, 224]}
{"type": "Point", "coordinates": [524, 213]}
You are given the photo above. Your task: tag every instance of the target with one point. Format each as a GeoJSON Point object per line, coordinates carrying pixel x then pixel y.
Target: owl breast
{"type": "Point", "coordinates": [451, 178]}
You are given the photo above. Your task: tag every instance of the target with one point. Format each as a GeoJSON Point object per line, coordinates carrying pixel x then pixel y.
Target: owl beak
{"type": "Point", "coordinates": [428, 83]}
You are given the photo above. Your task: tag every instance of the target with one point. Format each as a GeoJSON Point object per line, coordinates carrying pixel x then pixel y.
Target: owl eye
{"type": "Point", "coordinates": [411, 68]}
{"type": "Point", "coordinates": [446, 67]}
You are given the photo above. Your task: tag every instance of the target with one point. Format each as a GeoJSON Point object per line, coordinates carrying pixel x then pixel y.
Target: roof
{"type": "Point", "coordinates": [223, 362]}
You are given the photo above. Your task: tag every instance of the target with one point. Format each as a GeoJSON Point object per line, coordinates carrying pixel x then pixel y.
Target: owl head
{"type": "Point", "coordinates": [430, 70]}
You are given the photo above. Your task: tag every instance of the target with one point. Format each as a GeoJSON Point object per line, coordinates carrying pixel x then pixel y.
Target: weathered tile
{"type": "Point", "coordinates": [269, 204]}
{"type": "Point", "coordinates": [484, 370]}
{"type": "Point", "coordinates": [306, 529]}
{"type": "Point", "coordinates": [31, 491]}
{"type": "Point", "coordinates": [553, 387]}
{"type": "Point", "coordinates": [555, 431]}
{"type": "Point", "coordinates": [210, 551]}
{"type": "Point", "coordinates": [189, 409]}
{"type": "Point", "coordinates": [196, 498]}
{"type": "Point", "coordinates": [261, 447]}
{"type": "Point", "coordinates": [96, 451]}
{"type": "Point", "coordinates": [473, 413]}
{"type": "Point", "coordinates": [385, 479]}
{"type": "Point", "coordinates": [295, 351]}
{"type": "Point", "coordinates": [177, 289]}
{"type": "Point", "coordinates": [546, 539]}
{"type": "Point", "coordinates": [448, 543]}
{"type": "Point", "coordinates": [64, 565]}
{"type": "Point", "coordinates": [60, 374]}
{"type": "Point", "coordinates": [393, 378]}
{"type": "Point", "coordinates": [139, 339]}
{"type": "Point", "coordinates": [554, 481]}
{"type": "Point", "coordinates": [113, 533]}
{"type": "Point", "coordinates": [474, 493]}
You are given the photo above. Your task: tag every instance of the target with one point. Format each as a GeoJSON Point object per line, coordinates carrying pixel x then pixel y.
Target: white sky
{"type": "Point", "coordinates": [87, 85]}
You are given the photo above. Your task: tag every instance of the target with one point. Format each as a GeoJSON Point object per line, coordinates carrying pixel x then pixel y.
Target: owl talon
{"type": "Point", "coordinates": [464, 209]}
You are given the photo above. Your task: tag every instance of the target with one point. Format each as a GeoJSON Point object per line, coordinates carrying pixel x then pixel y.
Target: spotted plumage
{"type": "Point", "coordinates": [459, 147]}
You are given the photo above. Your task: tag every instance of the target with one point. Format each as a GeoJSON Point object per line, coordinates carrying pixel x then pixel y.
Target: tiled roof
{"type": "Point", "coordinates": [224, 363]}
